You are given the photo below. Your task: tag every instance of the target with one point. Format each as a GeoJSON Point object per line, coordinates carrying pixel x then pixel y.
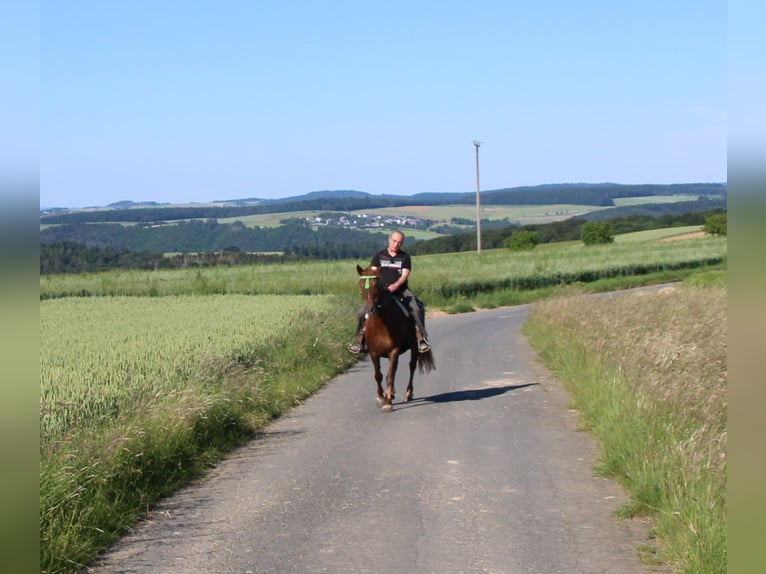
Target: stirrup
{"type": "Point", "coordinates": [423, 346]}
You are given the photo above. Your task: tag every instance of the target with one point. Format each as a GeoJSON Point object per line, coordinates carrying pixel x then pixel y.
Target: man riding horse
{"type": "Point", "coordinates": [395, 266]}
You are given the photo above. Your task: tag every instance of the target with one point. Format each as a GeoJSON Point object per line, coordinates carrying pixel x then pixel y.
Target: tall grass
{"type": "Point", "coordinates": [648, 373]}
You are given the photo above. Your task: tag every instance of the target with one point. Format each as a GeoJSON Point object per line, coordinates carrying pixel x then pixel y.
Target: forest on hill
{"type": "Point", "coordinates": [208, 236]}
{"type": "Point", "coordinates": [211, 243]}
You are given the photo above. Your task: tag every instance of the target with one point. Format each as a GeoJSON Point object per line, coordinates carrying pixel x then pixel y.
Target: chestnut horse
{"type": "Point", "coordinates": [389, 332]}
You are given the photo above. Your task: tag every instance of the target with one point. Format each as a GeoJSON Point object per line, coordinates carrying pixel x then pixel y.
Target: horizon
{"type": "Point", "coordinates": [265, 100]}
{"type": "Point", "coordinates": [300, 195]}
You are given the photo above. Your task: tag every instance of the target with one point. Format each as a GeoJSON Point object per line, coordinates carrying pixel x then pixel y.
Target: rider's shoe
{"type": "Point", "coordinates": [423, 346]}
{"type": "Point", "coordinates": [357, 348]}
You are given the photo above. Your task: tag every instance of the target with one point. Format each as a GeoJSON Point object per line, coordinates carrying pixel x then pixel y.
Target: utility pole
{"type": "Point", "coordinates": [476, 144]}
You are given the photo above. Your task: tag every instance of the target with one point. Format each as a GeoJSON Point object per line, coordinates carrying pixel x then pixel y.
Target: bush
{"type": "Point", "coordinates": [715, 224]}
{"type": "Point", "coordinates": [522, 240]}
{"type": "Point", "coordinates": [597, 233]}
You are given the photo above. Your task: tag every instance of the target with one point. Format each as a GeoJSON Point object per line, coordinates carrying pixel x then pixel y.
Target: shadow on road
{"type": "Point", "coordinates": [466, 395]}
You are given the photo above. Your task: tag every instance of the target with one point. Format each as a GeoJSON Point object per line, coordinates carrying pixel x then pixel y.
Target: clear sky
{"type": "Point", "coordinates": [196, 100]}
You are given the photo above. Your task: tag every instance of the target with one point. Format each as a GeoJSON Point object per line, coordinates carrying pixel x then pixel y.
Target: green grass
{"type": "Point", "coordinates": [648, 374]}
{"type": "Point", "coordinates": [710, 278]}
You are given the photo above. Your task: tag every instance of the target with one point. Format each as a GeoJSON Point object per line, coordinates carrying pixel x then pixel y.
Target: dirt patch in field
{"type": "Point", "coordinates": [691, 235]}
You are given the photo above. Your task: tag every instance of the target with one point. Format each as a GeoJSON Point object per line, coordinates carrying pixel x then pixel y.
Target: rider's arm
{"type": "Point", "coordinates": [393, 287]}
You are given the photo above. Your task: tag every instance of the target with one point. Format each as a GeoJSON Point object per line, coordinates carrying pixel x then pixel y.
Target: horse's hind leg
{"type": "Point", "coordinates": [409, 395]}
{"type": "Point", "coordinates": [393, 362]}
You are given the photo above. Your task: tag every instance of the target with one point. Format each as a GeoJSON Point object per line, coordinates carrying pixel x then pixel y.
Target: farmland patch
{"type": "Point", "coordinates": [104, 357]}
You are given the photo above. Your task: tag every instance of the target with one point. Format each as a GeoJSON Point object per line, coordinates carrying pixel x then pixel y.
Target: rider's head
{"type": "Point", "coordinates": [395, 242]}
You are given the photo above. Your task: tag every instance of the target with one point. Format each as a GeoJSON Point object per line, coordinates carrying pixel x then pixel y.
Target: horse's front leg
{"type": "Point", "coordinates": [378, 378]}
{"type": "Point", "coordinates": [393, 362]}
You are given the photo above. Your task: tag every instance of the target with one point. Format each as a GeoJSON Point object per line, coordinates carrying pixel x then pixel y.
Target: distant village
{"type": "Point", "coordinates": [364, 221]}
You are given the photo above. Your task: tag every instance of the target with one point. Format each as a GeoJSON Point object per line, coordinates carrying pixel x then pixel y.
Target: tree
{"type": "Point", "coordinates": [715, 224]}
{"type": "Point", "coordinates": [597, 233]}
{"type": "Point", "coordinates": [522, 240]}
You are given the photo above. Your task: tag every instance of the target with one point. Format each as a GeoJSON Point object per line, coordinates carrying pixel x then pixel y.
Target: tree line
{"type": "Point", "coordinates": [210, 235]}
{"type": "Point", "coordinates": [71, 257]}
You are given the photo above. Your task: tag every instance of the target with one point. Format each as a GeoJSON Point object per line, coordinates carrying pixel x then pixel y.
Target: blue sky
{"type": "Point", "coordinates": [193, 101]}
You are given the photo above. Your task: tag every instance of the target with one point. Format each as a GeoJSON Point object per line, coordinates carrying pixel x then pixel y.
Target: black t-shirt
{"type": "Point", "coordinates": [391, 267]}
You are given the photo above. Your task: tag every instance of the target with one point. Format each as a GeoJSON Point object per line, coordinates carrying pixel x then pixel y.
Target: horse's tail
{"type": "Point", "coordinates": [426, 362]}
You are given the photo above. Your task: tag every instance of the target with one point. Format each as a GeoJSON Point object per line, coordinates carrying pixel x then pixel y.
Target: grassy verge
{"type": "Point", "coordinates": [96, 482]}
{"type": "Point", "coordinates": [647, 371]}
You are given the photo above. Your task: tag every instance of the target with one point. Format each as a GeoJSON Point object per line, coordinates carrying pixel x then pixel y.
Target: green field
{"type": "Point", "coordinates": [438, 276]}
{"type": "Point", "coordinates": [148, 376]}
{"type": "Point", "coordinates": [269, 219]}
{"type": "Point", "coordinates": [623, 201]}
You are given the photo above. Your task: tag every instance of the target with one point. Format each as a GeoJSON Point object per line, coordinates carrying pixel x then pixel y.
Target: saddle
{"type": "Point", "coordinates": [404, 306]}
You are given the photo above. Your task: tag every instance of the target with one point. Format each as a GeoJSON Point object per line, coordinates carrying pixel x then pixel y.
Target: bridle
{"type": "Point", "coordinates": [367, 280]}
{"type": "Point", "coordinates": [378, 301]}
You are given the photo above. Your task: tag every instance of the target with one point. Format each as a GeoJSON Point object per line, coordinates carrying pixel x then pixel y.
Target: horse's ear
{"type": "Point", "coordinates": [359, 270]}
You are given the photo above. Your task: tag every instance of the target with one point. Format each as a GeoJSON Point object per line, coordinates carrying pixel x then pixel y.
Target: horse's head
{"type": "Point", "coordinates": [369, 280]}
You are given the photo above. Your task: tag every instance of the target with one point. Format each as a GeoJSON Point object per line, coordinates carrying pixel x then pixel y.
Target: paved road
{"type": "Point", "coordinates": [483, 472]}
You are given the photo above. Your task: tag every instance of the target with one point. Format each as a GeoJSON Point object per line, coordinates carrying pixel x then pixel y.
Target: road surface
{"type": "Point", "coordinates": [484, 472]}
